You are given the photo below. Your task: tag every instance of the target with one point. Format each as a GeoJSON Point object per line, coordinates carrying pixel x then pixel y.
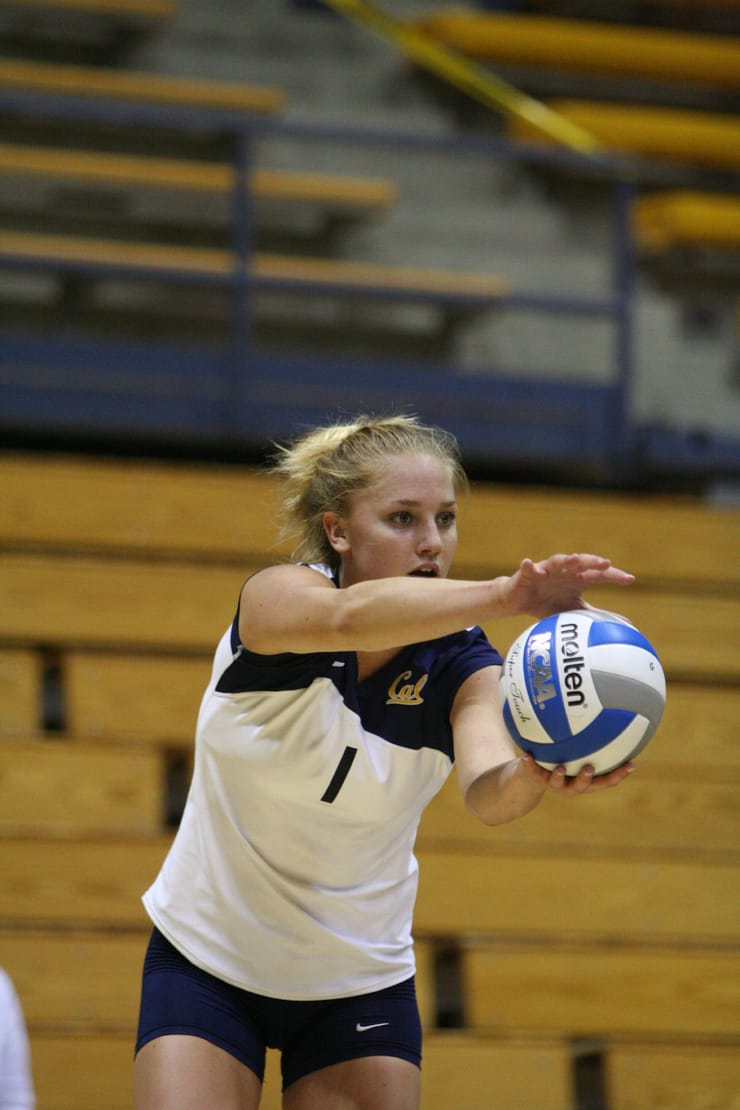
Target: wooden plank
{"type": "Point", "coordinates": [156, 88]}
{"type": "Point", "coordinates": [78, 883]}
{"type": "Point", "coordinates": [89, 984]}
{"type": "Point", "coordinates": [113, 169]}
{"type": "Point", "coordinates": [76, 981]}
{"type": "Point", "coordinates": [149, 10]}
{"type": "Point", "coordinates": [692, 1077]}
{"type": "Point", "coordinates": [678, 218]}
{"type": "Point", "coordinates": [697, 738]}
{"type": "Point", "coordinates": [426, 995]}
{"type": "Point", "coordinates": [656, 817]}
{"type": "Point", "coordinates": [581, 46]}
{"type": "Point", "coordinates": [614, 992]}
{"type": "Point", "coordinates": [139, 506]}
{"type": "Point", "coordinates": [120, 602]}
{"type": "Point", "coordinates": [694, 635]}
{"type": "Point", "coordinates": [20, 693]}
{"type": "Point", "coordinates": [679, 135]}
{"type": "Point", "coordinates": [52, 788]}
{"type": "Point", "coordinates": [127, 603]}
{"type": "Point", "coordinates": [190, 508]}
{"type": "Point", "coordinates": [163, 710]}
{"type": "Point", "coordinates": [83, 1071]}
{"type": "Point", "coordinates": [696, 733]}
{"type": "Point", "coordinates": [545, 897]}
{"type": "Point", "coordinates": [337, 277]}
{"type": "Point", "coordinates": [464, 1071]}
{"type": "Point", "coordinates": [471, 1072]}
{"type": "Point", "coordinates": [663, 538]}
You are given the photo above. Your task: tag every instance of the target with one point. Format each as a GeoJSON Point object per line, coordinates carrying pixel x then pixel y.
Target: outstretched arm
{"type": "Point", "coordinates": [294, 608]}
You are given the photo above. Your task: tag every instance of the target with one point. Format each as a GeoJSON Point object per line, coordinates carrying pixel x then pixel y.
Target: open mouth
{"type": "Point", "coordinates": [424, 572]}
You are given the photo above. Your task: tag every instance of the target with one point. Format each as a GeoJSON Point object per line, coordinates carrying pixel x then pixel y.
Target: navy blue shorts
{"type": "Point", "coordinates": [178, 997]}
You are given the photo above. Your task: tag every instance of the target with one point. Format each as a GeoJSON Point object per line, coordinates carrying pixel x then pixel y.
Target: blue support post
{"type": "Point", "coordinates": [623, 439]}
{"type": "Point", "coordinates": [243, 245]}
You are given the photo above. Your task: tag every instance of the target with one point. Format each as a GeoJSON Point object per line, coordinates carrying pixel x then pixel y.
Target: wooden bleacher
{"type": "Point", "coordinates": [124, 172]}
{"type": "Point", "coordinates": [696, 138]}
{"type": "Point", "coordinates": [107, 83]}
{"type": "Point", "coordinates": [639, 1074]}
{"type": "Point", "coordinates": [174, 262]}
{"type": "Point", "coordinates": [155, 10]}
{"type": "Point", "coordinates": [580, 46]}
{"type": "Point", "coordinates": [609, 920]}
{"type": "Point", "coordinates": [74, 28]}
{"type": "Point", "coordinates": [664, 221]}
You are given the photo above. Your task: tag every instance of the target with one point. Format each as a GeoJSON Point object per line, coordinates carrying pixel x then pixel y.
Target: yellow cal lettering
{"type": "Point", "coordinates": [407, 694]}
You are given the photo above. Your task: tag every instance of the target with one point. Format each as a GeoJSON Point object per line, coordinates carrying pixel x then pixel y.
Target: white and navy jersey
{"type": "Point", "coordinates": [293, 874]}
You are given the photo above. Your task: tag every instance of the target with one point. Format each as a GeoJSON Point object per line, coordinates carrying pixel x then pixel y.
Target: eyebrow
{"type": "Point", "coordinates": [409, 501]}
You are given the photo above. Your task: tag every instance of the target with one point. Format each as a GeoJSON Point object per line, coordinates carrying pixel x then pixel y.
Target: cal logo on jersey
{"type": "Point", "coordinates": [403, 692]}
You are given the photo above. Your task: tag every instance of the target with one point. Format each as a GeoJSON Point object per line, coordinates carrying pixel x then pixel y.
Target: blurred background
{"type": "Point", "coordinates": [222, 223]}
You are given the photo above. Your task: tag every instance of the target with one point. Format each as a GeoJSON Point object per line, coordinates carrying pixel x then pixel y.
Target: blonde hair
{"type": "Point", "coordinates": [323, 469]}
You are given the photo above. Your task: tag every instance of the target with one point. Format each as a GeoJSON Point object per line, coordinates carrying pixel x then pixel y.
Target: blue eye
{"type": "Point", "coordinates": [446, 520]}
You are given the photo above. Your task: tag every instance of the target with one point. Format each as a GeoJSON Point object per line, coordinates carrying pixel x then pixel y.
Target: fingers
{"type": "Point", "coordinates": [580, 566]}
{"type": "Point", "coordinates": [561, 783]}
{"type": "Point", "coordinates": [586, 781]}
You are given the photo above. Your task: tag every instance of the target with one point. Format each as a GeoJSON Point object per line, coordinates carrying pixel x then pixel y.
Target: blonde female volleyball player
{"type": "Point", "coordinates": [342, 693]}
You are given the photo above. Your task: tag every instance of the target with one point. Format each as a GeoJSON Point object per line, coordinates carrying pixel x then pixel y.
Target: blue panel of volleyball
{"type": "Point", "coordinates": [581, 687]}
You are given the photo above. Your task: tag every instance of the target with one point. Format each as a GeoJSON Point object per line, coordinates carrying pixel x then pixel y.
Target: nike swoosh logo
{"type": "Point", "coordinates": [364, 1028]}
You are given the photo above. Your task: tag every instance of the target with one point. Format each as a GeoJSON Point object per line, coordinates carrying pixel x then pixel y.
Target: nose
{"type": "Point", "coordinates": [430, 540]}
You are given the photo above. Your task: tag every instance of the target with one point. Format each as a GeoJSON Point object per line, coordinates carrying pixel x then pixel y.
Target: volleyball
{"type": "Point", "coordinates": [579, 687]}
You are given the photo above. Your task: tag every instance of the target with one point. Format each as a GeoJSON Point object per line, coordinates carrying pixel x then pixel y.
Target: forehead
{"type": "Point", "coordinates": [411, 477]}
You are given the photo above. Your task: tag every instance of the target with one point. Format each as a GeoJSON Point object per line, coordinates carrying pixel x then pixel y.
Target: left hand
{"type": "Point", "coordinates": [556, 584]}
{"type": "Point", "coordinates": [569, 786]}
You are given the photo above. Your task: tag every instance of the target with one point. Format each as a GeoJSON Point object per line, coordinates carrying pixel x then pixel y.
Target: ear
{"type": "Point", "coordinates": [335, 532]}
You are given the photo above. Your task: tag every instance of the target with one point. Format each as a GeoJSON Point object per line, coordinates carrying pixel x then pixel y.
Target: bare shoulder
{"type": "Point", "coordinates": [286, 608]}
{"type": "Point", "coordinates": [284, 578]}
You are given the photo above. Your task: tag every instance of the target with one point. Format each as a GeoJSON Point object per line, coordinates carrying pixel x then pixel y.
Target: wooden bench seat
{"type": "Point", "coordinates": [20, 693]}
{"type": "Point", "coordinates": [470, 1072]}
{"type": "Point", "coordinates": [145, 507]}
{"type": "Point", "coordinates": [125, 171]}
{"type": "Point", "coordinates": [464, 1070]}
{"type": "Point", "coordinates": [152, 11]}
{"type": "Point", "coordinates": [581, 898]}
{"type": "Point", "coordinates": [610, 992]}
{"type": "Point", "coordinates": [334, 277]}
{"type": "Point", "coordinates": [81, 882]}
{"type": "Point", "coordinates": [655, 816]}
{"type": "Point", "coordinates": [86, 1069]}
{"type": "Point", "coordinates": [132, 603]}
{"type": "Point", "coordinates": [168, 689]}
{"type": "Point", "coordinates": [692, 1076]}
{"type": "Point", "coordinates": [583, 47]}
{"type": "Point", "coordinates": [675, 622]}
{"type": "Point", "coordinates": [76, 981]}
{"type": "Point", "coordinates": [53, 788]}
{"type": "Point", "coordinates": [697, 734]}
{"type": "Point", "coordinates": [678, 135]}
{"type": "Point", "coordinates": [128, 85]}
{"type": "Point", "coordinates": [686, 218]}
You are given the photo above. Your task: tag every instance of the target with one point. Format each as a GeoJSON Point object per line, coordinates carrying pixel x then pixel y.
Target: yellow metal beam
{"type": "Point", "coordinates": [472, 79]}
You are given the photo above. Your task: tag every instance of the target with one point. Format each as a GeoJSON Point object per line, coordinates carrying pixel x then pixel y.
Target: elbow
{"type": "Point", "coordinates": [480, 803]}
{"type": "Point", "coordinates": [495, 797]}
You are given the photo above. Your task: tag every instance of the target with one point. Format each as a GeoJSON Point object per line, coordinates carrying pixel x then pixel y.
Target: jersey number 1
{"type": "Point", "coordinates": [337, 779]}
